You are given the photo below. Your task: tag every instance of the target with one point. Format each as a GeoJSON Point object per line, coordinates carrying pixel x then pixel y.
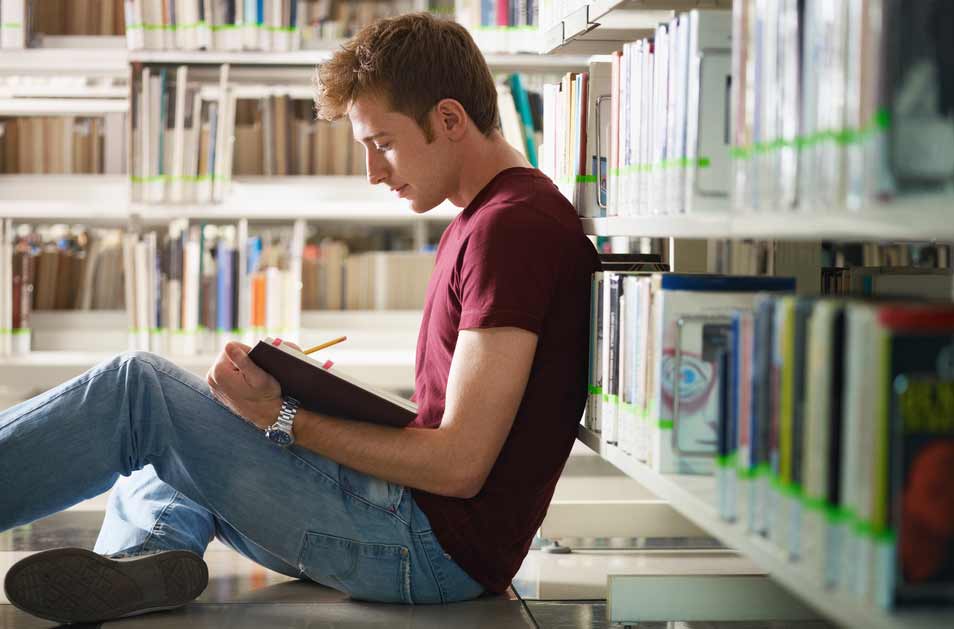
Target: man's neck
{"type": "Point", "coordinates": [486, 157]}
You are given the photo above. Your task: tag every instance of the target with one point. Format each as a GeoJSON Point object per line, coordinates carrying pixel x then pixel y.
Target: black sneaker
{"type": "Point", "coordinates": [77, 585]}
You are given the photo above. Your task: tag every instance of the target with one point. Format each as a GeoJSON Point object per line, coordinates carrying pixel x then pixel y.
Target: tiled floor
{"type": "Point", "coordinates": [559, 591]}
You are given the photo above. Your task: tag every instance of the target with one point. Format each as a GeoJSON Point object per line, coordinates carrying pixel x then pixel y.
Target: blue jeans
{"type": "Point", "coordinates": [197, 471]}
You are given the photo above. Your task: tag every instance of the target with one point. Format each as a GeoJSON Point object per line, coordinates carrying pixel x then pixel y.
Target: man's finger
{"type": "Point", "coordinates": [252, 373]}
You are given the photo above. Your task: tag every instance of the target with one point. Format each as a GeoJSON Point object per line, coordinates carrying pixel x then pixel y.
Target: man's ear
{"type": "Point", "coordinates": [452, 119]}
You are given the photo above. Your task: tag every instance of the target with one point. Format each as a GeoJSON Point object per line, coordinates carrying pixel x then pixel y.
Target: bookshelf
{"type": "Point", "coordinates": [694, 497]}
{"type": "Point", "coordinates": [888, 222]}
{"type": "Point", "coordinates": [600, 27]}
{"type": "Point", "coordinates": [603, 26]}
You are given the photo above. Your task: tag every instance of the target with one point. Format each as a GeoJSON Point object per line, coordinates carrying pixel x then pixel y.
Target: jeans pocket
{"type": "Point", "coordinates": [374, 491]}
{"type": "Point", "coordinates": [363, 570]}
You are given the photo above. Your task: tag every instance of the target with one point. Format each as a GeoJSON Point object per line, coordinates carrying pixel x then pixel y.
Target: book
{"type": "Point", "coordinates": [321, 388]}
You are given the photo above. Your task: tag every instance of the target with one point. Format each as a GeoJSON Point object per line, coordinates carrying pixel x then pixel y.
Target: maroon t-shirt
{"type": "Point", "coordinates": [516, 256]}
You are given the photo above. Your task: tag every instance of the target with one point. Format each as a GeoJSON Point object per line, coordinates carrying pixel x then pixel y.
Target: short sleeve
{"type": "Point", "coordinates": [509, 270]}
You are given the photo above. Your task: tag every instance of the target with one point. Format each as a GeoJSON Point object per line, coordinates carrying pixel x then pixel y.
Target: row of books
{"type": "Point", "coordinates": [839, 106]}
{"type": "Point", "coordinates": [195, 287]}
{"type": "Point", "coordinates": [651, 375]}
{"type": "Point", "coordinates": [278, 135]}
{"type": "Point", "coordinates": [776, 106]}
{"type": "Point", "coordinates": [836, 443]}
{"type": "Point", "coordinates": [22, 20]}
{"type": "Point", "coordinates": [193, 128]}
{"type": "Point", "coordinates": [181, 135]}
{"type": "Point", "coordinates": [55, 267]}
{"type": "Point", "coordinates": [796, 404]}
{"type": "Point", "coordinates": [499, 13]}
{"type": "Point", "coordinates": [646, 132]}
{"type": "Point", "coordinates": [63, 145]}
{"type": "Point", "coordinates": [266, 25]}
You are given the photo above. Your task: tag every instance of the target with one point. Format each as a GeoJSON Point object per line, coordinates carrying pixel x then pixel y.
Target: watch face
{"type": "Point", "coordinates": [279, 437]}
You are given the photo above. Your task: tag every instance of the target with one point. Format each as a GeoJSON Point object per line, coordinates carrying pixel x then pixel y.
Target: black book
{"type": "Point", "coordinates": [321, 388]}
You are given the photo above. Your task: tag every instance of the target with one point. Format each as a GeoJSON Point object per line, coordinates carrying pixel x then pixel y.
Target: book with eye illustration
{"type": "Point", "coordinates": [691, 448]}
{"type": "Point", "coordinates": [322, 388]}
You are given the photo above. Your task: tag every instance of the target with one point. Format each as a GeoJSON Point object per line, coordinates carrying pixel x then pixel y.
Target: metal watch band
{"type": "Point", "coordinates": [280, 432]}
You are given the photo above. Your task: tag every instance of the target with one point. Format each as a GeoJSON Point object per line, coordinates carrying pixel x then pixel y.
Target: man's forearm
{"type": "Point", "coordinates": [418, 458]}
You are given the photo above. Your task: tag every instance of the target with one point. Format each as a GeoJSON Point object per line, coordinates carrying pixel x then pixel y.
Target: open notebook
{"type": "Point", "coordinates": [323, 389]}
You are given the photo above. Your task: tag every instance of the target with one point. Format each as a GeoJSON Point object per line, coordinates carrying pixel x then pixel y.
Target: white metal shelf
{"type": "Point", "coordinates": [925, 217]}
{"type": "Point", "coordinates": [602, 26]}
{"type": "Point", "coordinates": [55, 106]}
{"type": "Point", "coordinates": [496, 60]}
{"type": "Point", "coordinates": [106, 59]}
{"type": "Point", "coordinates": [390, 369]}
{"type": "Point", "coordinates": [694, 497]}
{"type": "Point", "coordinates": [98, 199]}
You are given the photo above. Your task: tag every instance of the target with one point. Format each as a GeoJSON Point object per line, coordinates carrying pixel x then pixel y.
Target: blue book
{"type": "Point", "coordinates": [726, 283]}
{"type": "Point", "coordinates": [260, 12]}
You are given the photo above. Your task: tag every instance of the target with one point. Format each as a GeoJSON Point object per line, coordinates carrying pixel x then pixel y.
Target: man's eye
{"type": "Point", "coordinates": [383, 147]}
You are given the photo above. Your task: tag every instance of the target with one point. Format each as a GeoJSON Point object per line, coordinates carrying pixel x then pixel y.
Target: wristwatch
{"type": "Point", "coordinates": [280, 433]}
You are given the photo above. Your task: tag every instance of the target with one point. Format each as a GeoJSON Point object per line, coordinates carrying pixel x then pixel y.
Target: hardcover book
{"type": "Point", "coordinates": [321, 388]}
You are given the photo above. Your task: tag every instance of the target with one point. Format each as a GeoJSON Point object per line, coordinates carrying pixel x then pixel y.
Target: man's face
{"type": "Point", "coordinates": [398, 154]}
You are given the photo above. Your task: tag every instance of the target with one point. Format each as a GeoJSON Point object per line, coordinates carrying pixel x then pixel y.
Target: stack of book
{"type": "Point", "coordinates": [840, 105]}
{"type": "Point", "coordinates": [833, 427]}
{"type": "Point", "coordinates": [373, 280]}
{"type": "Point", "coordinates": [654, 380]}
{"type": "Point", "coordinates": [502, 25]}
{"type": "Point", "coordinates": [199, 286]}
{"type": "Point", "coordinates": [280, 136]}
{"type": "Point", "coordinates": [63, 145]}
{"type": "Point", "coordinates": [181, 135]}
{"type": "Point", "coordinates": [55, 267]}
{"type": "Point", "coordinates": [76, 17]}
{"type": "Point", "coordinates": [644, 130]}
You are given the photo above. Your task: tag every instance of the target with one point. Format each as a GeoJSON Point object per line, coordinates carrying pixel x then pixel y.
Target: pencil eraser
{"type": "Point", "coordinates": [277, 342]}
{"type": "Point", "coordinates": [327, 364]}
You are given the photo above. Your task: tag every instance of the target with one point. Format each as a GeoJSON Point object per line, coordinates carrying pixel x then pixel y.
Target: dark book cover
{"type": "Point", "coordinates": [326, 391]}
{"type": "Point", "coordinates": [914, 495]}
{"type": "Point", "coordinates": [922, 494]}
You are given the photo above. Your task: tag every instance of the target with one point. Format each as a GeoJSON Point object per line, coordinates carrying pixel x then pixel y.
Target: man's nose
{"type": "Point", "coordinates": [377, 167]}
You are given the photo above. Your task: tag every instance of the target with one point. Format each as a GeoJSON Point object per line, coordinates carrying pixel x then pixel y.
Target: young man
{"type": "Point", "coordinates": [443, 510]}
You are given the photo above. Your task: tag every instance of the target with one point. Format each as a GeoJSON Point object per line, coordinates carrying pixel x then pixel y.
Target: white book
{"type": "Point", "coordinates": [146, 137]}
{"type": "Point", "coordinates": [679, 79]}
{"type": "Point", "coordinates": [707, 136]}
{"type": "Point", "coordinates": [135, 33]}
{"type": "Point", "coordinates": [114, 144]}
{"type": "Point", "coordinates": [13, 23]}
{"type": "Point", "coordinates": [274, 285]}
{"type": "Point", "coordinates": [178, 140]}
{"type": "Point", "coordinates": [204, 30]}
{"type": "Point", "coordinates": [643, 365]}
{"type": "Point", "coordinates": [250, 28]}
{"type": "Point", "coordinates": [629, 418]}
{"type": "Point", "coordinates": [646, 122]}
{"type": "Point", "coordinates": [860, 318]}
{"type": "Point", "coordinates": [152, 23]}
{"type": "Point", "coordinates": [222, 129]}
{"type": "Point", "coordinates": [660, 109]}
{"type": "Point", "coordinates": [155, 184]}
{"type": "Point", "coordinates": [608, 409]}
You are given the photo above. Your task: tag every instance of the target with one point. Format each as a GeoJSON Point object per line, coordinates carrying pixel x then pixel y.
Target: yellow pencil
{"type": "Point", "coordinates": [326, 344]}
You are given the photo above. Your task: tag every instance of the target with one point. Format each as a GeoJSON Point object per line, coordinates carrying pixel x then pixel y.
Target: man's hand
{"type": "Point", "coordinates": [246, 389]}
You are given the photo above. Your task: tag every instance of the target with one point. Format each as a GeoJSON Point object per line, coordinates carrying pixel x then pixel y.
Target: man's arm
{"type": "Point", "coordinates": [488, 376]}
